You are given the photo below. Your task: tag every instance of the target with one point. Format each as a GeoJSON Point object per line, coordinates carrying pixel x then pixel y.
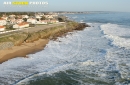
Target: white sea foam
{"type": "Point", "coordinates": [57, 56]}
{"type": "Point", "coordinates": [118, 34]}
{"type": "Point", "coordinates": [85, 51]}
{"type": "Point", "coordinates": [86, 63]}
{"type": "Point", "coordinates": [90, 24]}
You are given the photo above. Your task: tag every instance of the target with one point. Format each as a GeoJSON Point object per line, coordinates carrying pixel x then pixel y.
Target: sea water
{"type": "Point", "coordinates": [97, 55]}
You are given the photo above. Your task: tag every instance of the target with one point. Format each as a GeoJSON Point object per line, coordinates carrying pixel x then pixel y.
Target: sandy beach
{"type": "Point", "coordinates": [23, 50]}
{"type": "Point", "coordinates": [36, 41]}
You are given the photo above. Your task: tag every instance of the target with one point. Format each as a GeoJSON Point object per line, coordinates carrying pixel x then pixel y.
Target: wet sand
{"type": "Point", "coordinates": [22, 50]}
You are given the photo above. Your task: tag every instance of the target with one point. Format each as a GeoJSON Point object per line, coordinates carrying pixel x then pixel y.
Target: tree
{"type": "Point", "coordinates": [43, 18]}
{"type": "Point", "coordinates": [60, 19]}
{"type": "Point", "coordinates": [25, 19]}
{"type": "Point", "coordinates": [9, 27]}
{"type": "Point", "coordinates": [16, 17]}
{"type": "Point", "coordinates": [37, 19]}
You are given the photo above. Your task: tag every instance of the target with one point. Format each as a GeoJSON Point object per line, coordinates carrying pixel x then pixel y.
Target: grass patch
{"type": "Point", "coordinates": [50, 33]}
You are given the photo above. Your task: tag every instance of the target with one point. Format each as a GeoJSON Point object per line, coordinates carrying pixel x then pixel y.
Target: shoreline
{"type": "Point", "coordinates": [37, 41]}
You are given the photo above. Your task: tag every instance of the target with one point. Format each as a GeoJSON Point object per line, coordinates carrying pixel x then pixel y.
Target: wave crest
{"type": "Point", "coordinates": [119, 35]}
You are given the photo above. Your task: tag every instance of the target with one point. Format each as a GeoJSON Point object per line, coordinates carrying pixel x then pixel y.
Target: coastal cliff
{"type": "Point", "coordinates": [27, 43]}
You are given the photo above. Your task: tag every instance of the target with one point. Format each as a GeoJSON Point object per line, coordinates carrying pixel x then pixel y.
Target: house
{"type": "Point", "coordinates": [55, 15]}
{"type": "Point", "coordinates": [16, 26]}
{"type": "Point", "coordinates": [12, 16]}
{"type": "Point", "coordinates": [2, 22]}
{"type": "Point", "coordinates": [25, 16]}
{"type": "Point", "coordinates": [48, 16]}
{"type": "Point", "coordinates": [19, 20]}
{"type": "Point", "coordinates": [42, 22]}
{"type": "Point", "coordinates": [4, 17]}
{"type": "Point", "coordinates": [41, 15]}
{"type": "Point", "coordinates": [54, 21]}
{"type": "Point", "coordinates": [2, 28]}
{"type": "Point", "coordinates": [38, 16]}
{"type": "Point", "coordinates": [21, 25]}
{"type": "Point", "coordinates": [32, 21]}
{"type": "Point", "coordinates": [12, 20]}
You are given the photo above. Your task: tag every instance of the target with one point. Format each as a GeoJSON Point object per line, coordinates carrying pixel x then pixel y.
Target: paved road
{"type": "Point", "coordinates": [31, 29]}
{"type": "Point", "coordinates": [41, 27]}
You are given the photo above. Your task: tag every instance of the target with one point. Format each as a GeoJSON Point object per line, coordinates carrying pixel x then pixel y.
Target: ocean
{"type": "Point", "coordinates": [97, 55]}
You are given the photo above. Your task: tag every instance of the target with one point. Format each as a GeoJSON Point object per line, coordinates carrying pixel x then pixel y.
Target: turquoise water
{"type": "Point", "coordinates": [99, 55]}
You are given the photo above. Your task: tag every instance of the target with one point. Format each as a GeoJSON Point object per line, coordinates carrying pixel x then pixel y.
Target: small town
{"type": "Point", "coordinates": [12, 21]}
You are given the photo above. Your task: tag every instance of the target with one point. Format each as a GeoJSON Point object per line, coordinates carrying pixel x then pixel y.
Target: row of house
{"type": "Point", "coordinates": [34, 21]}
{"type": "Point", "coordinates": [2, 23]}
{"type": "Point", "coordinates": [2, 28]}
{"type": "Point", "coordinates": [11, 19]}
{"type": "Point", "coordinates": [17, 21]}
{"type": "Point", "coordinates": [21, 25]}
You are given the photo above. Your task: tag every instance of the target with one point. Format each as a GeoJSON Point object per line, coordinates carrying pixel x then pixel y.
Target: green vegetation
{"type": "Point", "coordinates": [18, 13]}
{"type": "Point", "coordinates": [25, 19]}
{"type": "Point", "coordinates": [61, 18]}
{"type": "Point", "coordinates": [50, 33]}
{"type": "Point", "coordinates": [43, 18]}
{"type": "Point", "coordinates": [9, 27]}
{"type": "Point", "coordinates": [17, 39]}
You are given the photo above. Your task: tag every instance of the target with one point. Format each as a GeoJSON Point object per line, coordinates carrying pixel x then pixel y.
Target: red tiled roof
{"type": "Point", "coordinates": [2, 26]}
{"type": "Point", "coordinates": [23, 23]}
{"type": "Point", "coordinates": [1, 19]}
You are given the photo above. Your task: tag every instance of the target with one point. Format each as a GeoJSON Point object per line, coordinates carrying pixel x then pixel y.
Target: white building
{"type": "Point", "coordinates": [12, 20]}
{"type": "Point", "coordinates": [21, 25]}
{"type": "Point", "coordinates": [33, 21]}
{"type": "Point", "coordinates": [49, 16]}
{"type": "Point", "coordinates": [25, 16]}
{"type": "Point", "coordinates": [4, 17]}
{"type": "Point", "coordinates": [54, 21]}
{"type": "Point", "coordinates": [2, 22]}
{"type": "Point", "coordinates": [38, 17]}
{"type": "Point", "coordinates": [42, 22]}
{"type": "Point", "coordinates": [2, 28]}
{"type": "Point", "coordinates": [19, 20]}
{"type": "Point", "coordinates": [11, 16]}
